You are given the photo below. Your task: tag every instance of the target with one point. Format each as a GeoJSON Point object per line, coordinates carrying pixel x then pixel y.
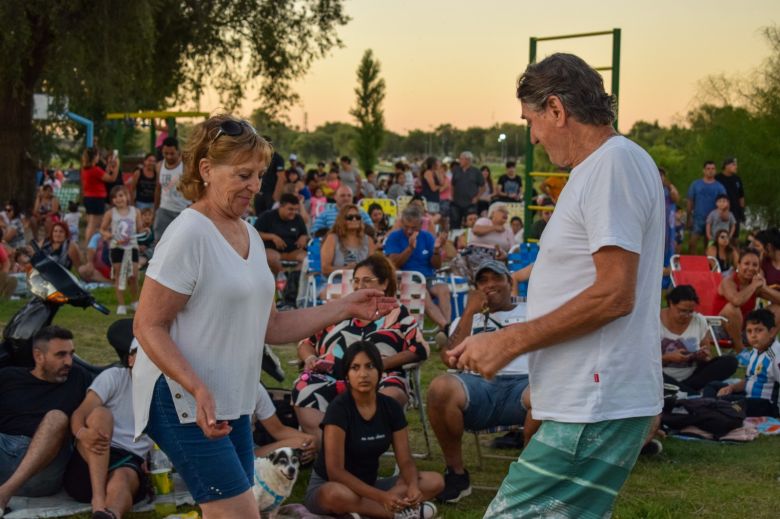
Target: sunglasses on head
{"type": "Point", "coordinates": [232, 128]}
{"type": "Point", "coordinates": [352, 217]}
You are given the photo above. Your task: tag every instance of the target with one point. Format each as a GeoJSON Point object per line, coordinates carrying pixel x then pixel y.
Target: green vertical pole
{"type": "Point", "coordinates": [616, 71]}
{"type": "Point", "coordinates": [119, 138]}
{"type": "Point", "coordinates": [171, 126]}
{"type": "Point", "coordinates": [152, 136]}
{"type": "Point", "coordinates": [529, 159]}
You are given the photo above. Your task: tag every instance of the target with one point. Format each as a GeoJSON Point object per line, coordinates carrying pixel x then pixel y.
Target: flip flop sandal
{"type": "Point", "coordinates": [104, 514]}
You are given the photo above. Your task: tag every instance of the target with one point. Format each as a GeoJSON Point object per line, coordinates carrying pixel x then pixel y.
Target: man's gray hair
{"type": "Point", "coordinates": [579, 87]}
{"type": "Point", "coordinates": [412, 213]}
{"type": "Point", "coordinates": [467, 155]}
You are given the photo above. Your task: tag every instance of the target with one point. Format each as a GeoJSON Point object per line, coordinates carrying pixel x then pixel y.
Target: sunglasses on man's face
{"type": "Point", "coordinates": [232, 128]}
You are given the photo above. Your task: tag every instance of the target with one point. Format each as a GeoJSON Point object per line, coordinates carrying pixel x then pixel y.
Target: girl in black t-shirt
{"type": "Point", "coordinates": [360, 425]}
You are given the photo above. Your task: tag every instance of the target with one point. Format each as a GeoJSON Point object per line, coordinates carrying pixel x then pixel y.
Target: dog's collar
{"type": "Point", "coordinates": [277, 498]}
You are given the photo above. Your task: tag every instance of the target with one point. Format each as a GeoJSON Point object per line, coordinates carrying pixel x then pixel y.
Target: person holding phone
{"type": "Point", "coordinates": [397, 336]}
{"type": "Point", "coordinates": [685, 344]}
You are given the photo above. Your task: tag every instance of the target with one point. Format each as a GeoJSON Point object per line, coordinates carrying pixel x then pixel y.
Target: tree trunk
{"type": "Point", "coordinates": [17, 177]}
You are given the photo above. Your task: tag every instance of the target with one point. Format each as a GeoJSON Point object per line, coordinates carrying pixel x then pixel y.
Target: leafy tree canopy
{"type": "Point", "coordinates": [111, 55]}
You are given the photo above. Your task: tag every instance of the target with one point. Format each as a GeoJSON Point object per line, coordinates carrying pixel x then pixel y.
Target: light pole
{"type": "Point", "coordinates": [502, 141]}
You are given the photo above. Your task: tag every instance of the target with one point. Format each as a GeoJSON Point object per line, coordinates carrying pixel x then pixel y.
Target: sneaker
{"type": "Point", "coordinates": [134, 306]}
{"type": "Point", "coordinates": [456, 486]}
{"type": "Point", "coordinates": [426, 510]}
{"type": "Point", "coordinates": [511, 440]}
{"type": "Point", "coordinates": [121, 310]}
{"type": "Point", "coordinates": [652, 448]}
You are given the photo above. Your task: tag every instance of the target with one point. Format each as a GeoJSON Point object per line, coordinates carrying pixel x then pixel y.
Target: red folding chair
{"type": "Point", "coordinates": [680, 262]}
{"type": "Point", "coordinates": [706, 283]}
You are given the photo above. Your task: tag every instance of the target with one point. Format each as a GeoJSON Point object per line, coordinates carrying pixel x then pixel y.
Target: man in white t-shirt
{"type": "Point", "coordinates": [466, 400]}
{"type": "Point", "coordinates": [168, 200]}
{"type": "Point", "coordinates": [107, 466]}
{"type": "Point", "coordinates": [282, 435]}
{"type": "Point", "coordinates": [592, 330]}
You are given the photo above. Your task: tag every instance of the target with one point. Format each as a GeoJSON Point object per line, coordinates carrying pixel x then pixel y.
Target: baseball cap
{"type": "Point", "coordinates": [293, 156]}
{"type": "Point", "coordinates": [729, 160]}
{"type": "Point", "coordinates": [496, 266]}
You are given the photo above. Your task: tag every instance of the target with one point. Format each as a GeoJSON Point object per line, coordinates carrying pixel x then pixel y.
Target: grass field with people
{"type": "Point", "coordinates": [688, 479]}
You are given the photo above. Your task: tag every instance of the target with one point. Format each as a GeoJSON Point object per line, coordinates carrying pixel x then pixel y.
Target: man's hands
{"type": "Point", "coordinates": [484, 353]}
{"type": "Point", "coordinates": [278, 242]}
{"type": "Point", "coordinates": [413, 240]}
{"type": "Point", "coordinates": [95, 440]}
{"type": "Point", "coordinates": [476, 301]}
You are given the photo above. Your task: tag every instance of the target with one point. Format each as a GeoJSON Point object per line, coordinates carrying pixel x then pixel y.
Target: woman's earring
{"type": "Point", "coordinates": [205, 184]}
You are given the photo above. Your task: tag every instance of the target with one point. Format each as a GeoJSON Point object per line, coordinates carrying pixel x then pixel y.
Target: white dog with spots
{"type": "Point", "coordinates": [275, 477]}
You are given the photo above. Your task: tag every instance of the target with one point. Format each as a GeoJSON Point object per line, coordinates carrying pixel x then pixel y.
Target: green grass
{"type": "Point", "coordinates": [689, 479]}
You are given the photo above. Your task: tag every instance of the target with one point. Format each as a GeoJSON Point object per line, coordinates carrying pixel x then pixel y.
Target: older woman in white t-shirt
{"type": "Point", "coordinates": [492, 232]}
{"type": "Point", "coordinates": [206, 310]}
{"type": "Point", "coordinates": [685, 345]}
{"type": "Point", "coordinates": [489, 238]}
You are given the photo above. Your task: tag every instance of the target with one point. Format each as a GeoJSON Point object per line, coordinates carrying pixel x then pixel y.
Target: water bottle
{"type": "Point", "coordinates": [281, 282]}
{"type": "Point", "coordinates": [160, 470]}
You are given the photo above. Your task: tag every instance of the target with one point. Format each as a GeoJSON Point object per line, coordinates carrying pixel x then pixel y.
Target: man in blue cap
{"type": "Point", "coordinates": [467, 400]}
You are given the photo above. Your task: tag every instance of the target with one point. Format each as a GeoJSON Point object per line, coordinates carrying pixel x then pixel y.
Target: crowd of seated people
{"type": "Point", "coordinates": [355, 365]}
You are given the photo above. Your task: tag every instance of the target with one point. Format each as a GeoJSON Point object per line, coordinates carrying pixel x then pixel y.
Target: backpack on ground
{"type": "Point", "coordinates": [713, 415]}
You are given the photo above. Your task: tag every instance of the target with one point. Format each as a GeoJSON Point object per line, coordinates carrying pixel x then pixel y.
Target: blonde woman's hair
{"type": "Point", "coordinates": [225, 150]}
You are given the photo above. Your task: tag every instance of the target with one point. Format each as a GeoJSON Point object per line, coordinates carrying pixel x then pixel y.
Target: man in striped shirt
{"type": "Point", "coordinates": [761, 384]}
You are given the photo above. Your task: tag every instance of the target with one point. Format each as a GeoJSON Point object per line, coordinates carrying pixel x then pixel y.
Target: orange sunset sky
{"type": "Point", "coordinates": [456, 61]}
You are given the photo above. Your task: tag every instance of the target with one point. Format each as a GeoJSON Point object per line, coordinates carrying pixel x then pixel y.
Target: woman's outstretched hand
{"type": "Point", "coordinates": [368, 304]}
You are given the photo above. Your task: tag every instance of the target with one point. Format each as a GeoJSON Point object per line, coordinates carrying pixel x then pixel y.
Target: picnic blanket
{"type": "Point", "coordinates": [748, 432]}
{"type": "Point", "coordinates": [766, 425]}
{"type": "Point", "coordinates": [62, 505]}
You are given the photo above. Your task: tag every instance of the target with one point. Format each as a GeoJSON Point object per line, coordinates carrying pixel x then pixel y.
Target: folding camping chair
{"type": "Point", "coordinates": [705, 283]}
{"type": "Point", "coordinates": [689, 263]}
{"type": "Point", "coordinates": [312, 270]}
{"type": "Point", "coordinates": [521, 256]}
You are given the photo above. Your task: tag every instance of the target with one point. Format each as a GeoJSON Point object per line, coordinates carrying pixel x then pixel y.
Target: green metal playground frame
{"type": "Point", "coordinates": [530, 174]}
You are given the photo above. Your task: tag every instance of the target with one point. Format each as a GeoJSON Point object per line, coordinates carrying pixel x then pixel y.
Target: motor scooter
{"type": "Point", "coordinates": [53, 286]}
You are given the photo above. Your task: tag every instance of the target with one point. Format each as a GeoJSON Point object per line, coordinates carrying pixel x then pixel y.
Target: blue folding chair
{"type": "Point", "coordinates": [313, 272]}
{"type": "Point", "coordinates": [521, 256]}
